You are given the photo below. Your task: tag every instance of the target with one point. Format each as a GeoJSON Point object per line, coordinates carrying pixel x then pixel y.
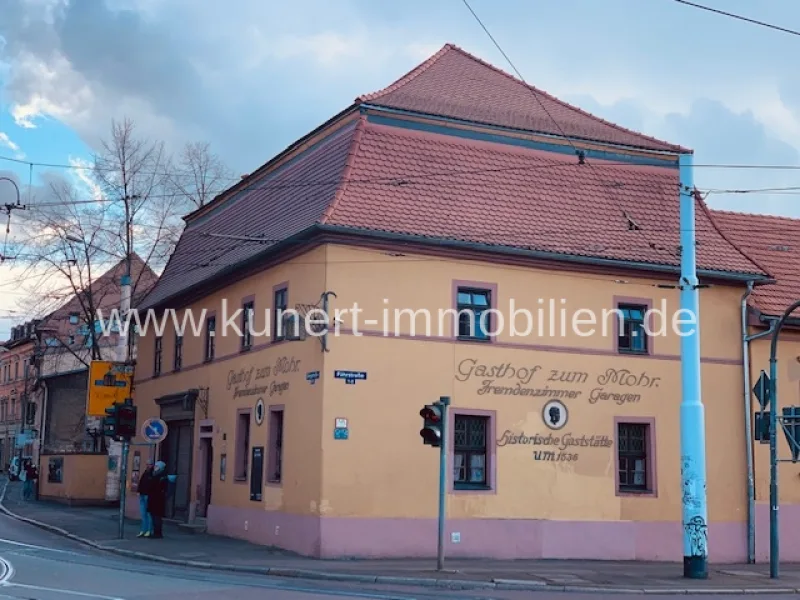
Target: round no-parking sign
{"type": "Point", "coordinates": [154, 430]}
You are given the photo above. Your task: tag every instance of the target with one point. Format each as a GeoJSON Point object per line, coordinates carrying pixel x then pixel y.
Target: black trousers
{"type": "Point", "coordinates": [158, 522]}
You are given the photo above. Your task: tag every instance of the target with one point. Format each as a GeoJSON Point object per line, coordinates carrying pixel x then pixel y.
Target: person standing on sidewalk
{"type": "Point", "coordinates": [23, 477]}
{"type": "Point", "coordinates": [157, 498]}
{"type": "Point", "coordinates": [145, 484]}
{"type": "Point", "coordinates": [29, 477]}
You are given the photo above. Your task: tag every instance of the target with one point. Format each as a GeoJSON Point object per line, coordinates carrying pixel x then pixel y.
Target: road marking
{"type": "Point", "coordinates": [34, 547]}
{"type": "Point", "coordinates": [63, 591]}
{"type": "Point", "coordinates": [6, 571]}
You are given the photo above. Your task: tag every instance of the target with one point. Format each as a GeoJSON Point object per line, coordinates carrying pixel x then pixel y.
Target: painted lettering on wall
{"type": "Point", "coordinates": [620, 386]}
{"type": "Point", "coordinates": [556, 448]}
{"type": "Point", "coordinates": [240, 381]}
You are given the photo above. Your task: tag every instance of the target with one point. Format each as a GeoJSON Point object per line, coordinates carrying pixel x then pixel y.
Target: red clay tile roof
{"type": "Point", "coordinates": [455, 84]}
{"type": "Point", "coordinates": [773, 242]}
{"type": "Point", "coordinates": [384, 178]}
{"type": "Point", "coordinates": [285, 202]}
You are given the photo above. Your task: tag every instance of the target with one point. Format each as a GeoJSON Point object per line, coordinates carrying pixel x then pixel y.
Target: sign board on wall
{"type": "Point", "coordinates": [109, 382]}
{"type": "Point", "coordinates": [256, 474]}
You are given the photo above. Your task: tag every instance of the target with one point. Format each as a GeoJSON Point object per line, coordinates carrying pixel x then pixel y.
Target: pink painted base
{"type": "Point", "coordinates": [332, 537]}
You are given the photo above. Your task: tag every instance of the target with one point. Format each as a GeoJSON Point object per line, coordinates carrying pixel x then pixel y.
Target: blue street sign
{"type": "Point", "coordinates": [350, 377]}
{"type": "Point", "coordinates": [312, 377]}
{"type": "Point", "coordinates": [341, 433]}
{"type": "Point", "coordinates": [154, 430]}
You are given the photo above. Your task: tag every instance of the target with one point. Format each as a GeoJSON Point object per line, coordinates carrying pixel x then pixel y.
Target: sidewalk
{"type": "Point", "coordinates": [98, 527]}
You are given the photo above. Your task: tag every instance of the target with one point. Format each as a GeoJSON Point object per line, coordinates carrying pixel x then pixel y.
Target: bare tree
{"type": "Point", "coordinates": [200, 175]}
{"type": "Point", "coordinates": [79, 248]}
{"type": "Point", "coordinates": [87, 245]}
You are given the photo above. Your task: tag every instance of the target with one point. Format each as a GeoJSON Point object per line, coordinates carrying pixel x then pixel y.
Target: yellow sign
{"type": "Point", "coordinates": [109, 382]}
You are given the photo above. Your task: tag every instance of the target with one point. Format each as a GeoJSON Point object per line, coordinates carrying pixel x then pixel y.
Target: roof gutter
{"type": "Point", "coordinates": [307, 234]}
{"type": "Point", "coordinates": [538, 254]}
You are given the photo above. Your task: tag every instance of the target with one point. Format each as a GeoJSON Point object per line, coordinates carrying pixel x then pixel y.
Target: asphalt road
{"type": "Point", "coordinates": [37, 565]}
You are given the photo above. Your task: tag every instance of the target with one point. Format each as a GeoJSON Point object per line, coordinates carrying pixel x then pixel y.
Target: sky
{"type": "Point", "coordinates": [252, 76]}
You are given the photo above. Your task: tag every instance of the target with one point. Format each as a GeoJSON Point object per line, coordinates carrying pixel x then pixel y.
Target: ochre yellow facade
{"type": "Point", "coordinates": [374, 493]}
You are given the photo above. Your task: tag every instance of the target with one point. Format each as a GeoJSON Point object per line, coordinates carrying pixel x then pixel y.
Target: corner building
{"type": "Point", "coordinates": [451, 189]}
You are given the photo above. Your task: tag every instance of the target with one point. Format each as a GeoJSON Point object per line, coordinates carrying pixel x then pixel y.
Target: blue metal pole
{"type": "Point", "coordinates": [445, 402]}
{"type": "Point", "coordinates": [774, 502]}
{"type": "Point", "coordinates": [693, 442]}
{"type": "Point", "coordinates": [774, 553]}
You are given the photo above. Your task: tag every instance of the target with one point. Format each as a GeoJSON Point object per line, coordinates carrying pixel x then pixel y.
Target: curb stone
{"type": "Point", "coordinates": [499, 584]}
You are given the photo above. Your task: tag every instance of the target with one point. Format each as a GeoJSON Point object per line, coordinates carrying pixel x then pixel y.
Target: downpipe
{"type": "Point", "coordinates": [748, 432]}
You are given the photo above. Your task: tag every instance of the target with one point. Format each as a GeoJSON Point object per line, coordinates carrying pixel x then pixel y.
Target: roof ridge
{"type": "Point", "coordinates": [562, 102]}
{"type": "Point", "coordinates": [409, 76]}
{"type": "Point", "coordinates": [738, 213]}
{"type": "Point", "coordinates": [705, 208]}
{"type": "Point", "coordinates": [355, 141]}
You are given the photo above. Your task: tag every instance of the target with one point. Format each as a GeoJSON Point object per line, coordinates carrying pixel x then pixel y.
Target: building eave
{"type": "Point", "coordinates": [588, 261]}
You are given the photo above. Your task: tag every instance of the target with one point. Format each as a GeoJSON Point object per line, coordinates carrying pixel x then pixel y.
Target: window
{"type": "Point", "coordinates": [177, 359]}
{"type": "Point", "coordinates": [73, 318]}
{"type": "Point", "coordinates": [280, 304]}
{"type": "Point", "coordinates": [211, 326]}
{"type": "Point", "coordinates": [632, 333]}
{"type": "Point", "coordinates": [471, 306]}
{"type": "Point", "coordinates": [157, 356]}
{"type": "Point", "coordinates": [634, 460]}
{"type": "Point", "coordinates": [247, 325]}
{"type": "Point", "coordinates": [242, 445]}
{"type": "Point", "coordinates": [470, 437]}
{"type": "Point", "coordinates": [71, 340]}
{"type": "Point", "coordinates": [16, 370]}
{"type": "Point", "coordinates": [275, 461]}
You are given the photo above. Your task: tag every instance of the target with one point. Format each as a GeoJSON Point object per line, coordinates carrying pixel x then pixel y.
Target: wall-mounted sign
{"type": "Point", "coordinates": [340, 429]}
{"type": "Point", "coordinates": [555, 414]}
{"type": "Point", "coordinates": [259, 411]}
{"type": "Point", "coordinates": [350, 377]}
{"type": "Point", "coordinates": [312, 377]}
{"type": "Point", "coordinates": [619, 386]}
{"type": "Point", "coordinates": [555, 448]}
{"type": "Point", "coordinates": [251, 381]}
{"type": "Point", "coordinates": [257, 474]}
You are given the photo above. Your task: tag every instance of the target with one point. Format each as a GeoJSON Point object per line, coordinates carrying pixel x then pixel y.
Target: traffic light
{"type": "Point", "coordinates": [110, 423]}
{"type": "Point", "coordinates": [433, 426]}
{"type": "Point", "coordinates": [126, 421]}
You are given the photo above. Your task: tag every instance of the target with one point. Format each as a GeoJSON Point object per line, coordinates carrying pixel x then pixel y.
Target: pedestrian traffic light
{"type": "Point", "coordinates": [126, 421]}
{"type": "Point", "coordinates": [110, 422]}
{"type": "Point", "coordinates": [432, 427]}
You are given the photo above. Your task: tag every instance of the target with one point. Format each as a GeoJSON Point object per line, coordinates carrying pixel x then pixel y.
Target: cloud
{"type": "Point", "coordinates": [253, 79]}
{"type": "Point", "coordinates": [83, 179]}
{"type": "Point", "coordinates": [5, 142]}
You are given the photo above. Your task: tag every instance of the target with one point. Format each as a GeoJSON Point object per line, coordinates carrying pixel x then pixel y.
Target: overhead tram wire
{"type": "Point", "coordinates": [624, 214]}
{"type": "Point", "coordinates": [739, 17]}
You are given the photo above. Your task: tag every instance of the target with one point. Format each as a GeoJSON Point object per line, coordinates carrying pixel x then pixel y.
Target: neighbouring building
{"type": "Point", "coordinates": [19, 405]}
{"type": "Point", "coordinates": [452, 189]}
{"type": "Point", "coordinates": [774, 242]}
{"type": "Point", "coordinates": [77, 464]}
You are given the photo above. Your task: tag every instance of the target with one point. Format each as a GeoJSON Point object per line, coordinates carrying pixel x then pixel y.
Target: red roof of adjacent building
{"type": "Point", "coordinates": [773, 242]}
{"type": "Point", "coordinates": [457, 85]}
{"type": "Point", "coordinates": [366, 176]}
